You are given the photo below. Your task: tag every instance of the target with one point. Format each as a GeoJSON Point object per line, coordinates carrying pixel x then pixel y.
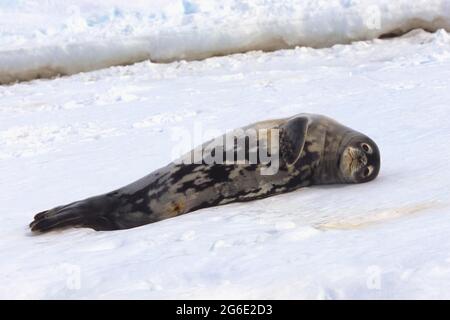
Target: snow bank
{"type": "Point", "coordinates": [79, 36]}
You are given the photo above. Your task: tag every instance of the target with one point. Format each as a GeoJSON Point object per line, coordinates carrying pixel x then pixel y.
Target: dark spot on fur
{"type": "Point", "coordinates": [220, 173]}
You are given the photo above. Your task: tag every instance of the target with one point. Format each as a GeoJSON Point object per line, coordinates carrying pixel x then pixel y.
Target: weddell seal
{"type": "Point", "coordinates": [254, 162]}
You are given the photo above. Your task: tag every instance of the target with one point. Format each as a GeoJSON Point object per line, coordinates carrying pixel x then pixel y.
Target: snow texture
{"type": "Point", "coordinates": [73, 137]}
{"type": "Point", "coordinates": [84, 36]}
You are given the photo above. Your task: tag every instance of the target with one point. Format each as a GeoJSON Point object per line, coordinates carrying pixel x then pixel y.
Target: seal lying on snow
{"type": "Point", "coordinates": [262, 159]}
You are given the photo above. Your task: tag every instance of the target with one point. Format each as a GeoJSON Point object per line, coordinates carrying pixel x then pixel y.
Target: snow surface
{"type": "Point", "coordinates": [84, 35]}
{"type": "Point", "coordinates": [70, 138]}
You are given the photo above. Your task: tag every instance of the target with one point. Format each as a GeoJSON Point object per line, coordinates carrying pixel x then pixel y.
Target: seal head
{"type": "Point", "coordinates": [346, 155]}
{"type": "Point", "coordinates": [359, 159]}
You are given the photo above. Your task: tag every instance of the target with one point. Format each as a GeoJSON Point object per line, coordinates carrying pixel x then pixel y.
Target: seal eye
{"type": "Point", "coordinates": [366, 148]}
{"type": "Point", "coordinates": [367, 171]}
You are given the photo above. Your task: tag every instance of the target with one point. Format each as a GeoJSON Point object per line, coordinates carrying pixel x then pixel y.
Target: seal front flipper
{"type": "Point", "coordinates": [292, 138]}
{"type": "Point", "coordinates": [96, 212]}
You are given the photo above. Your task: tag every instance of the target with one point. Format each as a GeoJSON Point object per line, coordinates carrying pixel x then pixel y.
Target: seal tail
{"type": "Point", "coordinates": [90, 213]}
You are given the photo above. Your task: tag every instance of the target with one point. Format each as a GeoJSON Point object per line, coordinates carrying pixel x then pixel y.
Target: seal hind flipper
{"type": "Point", "coordinates": [56, 222]}
{"type": "Point", "coordinates": [92, 213]}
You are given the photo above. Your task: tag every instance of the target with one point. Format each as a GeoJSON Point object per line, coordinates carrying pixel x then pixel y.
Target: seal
{"type": "Point", "coordinates": [286, 154]}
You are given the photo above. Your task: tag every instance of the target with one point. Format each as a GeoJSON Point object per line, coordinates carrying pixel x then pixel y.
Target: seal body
{"type": "Point", "coordinates": [307, 149]}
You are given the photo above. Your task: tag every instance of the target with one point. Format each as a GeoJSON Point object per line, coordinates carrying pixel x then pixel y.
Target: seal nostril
{"type": "Point", "coordinates": [362, 159]}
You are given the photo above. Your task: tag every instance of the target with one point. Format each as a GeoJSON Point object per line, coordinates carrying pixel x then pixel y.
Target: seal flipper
{"type": "Point", "coordinates": [93, 213]}
{"type": "Point", "coordinates": [292, 138]}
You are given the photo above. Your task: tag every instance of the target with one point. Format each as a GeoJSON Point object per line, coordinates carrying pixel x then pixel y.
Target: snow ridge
{"type": "Point", "coordinates": [193, 30]}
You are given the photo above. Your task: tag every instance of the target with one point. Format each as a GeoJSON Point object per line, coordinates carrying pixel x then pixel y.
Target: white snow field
{"type": "Point", "coordinates": [73, 137]}
{"type": "Point", "coordinates": [41, 39]}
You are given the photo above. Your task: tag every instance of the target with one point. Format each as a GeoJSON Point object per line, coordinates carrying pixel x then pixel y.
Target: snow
{"type": "Point", "coordinates": [73, 137]}
{"type": "Point", "coordinates": [84, 35]}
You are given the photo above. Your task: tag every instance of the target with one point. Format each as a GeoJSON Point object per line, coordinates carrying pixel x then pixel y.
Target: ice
{"type": "Point", "coordinates": [70, 36]}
